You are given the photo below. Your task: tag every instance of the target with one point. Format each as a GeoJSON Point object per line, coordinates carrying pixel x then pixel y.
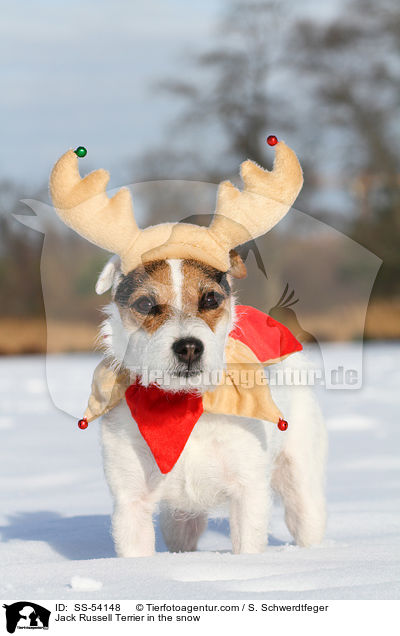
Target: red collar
{"type": "Point", "coordinates": [166, 419]}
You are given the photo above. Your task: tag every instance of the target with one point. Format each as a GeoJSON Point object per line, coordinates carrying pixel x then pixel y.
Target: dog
{"type": "Point", "coordinates": [174, 325]}
{"type": "Point", "coordinates": [174, 316]}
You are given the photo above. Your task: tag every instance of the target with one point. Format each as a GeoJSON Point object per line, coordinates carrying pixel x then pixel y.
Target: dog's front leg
{"type": "Point", "coordinates": [134, 483]}
{"type": "Point", "coordinates": [133, 528]}
{"type": "Point", "coordinates": [249, 516]}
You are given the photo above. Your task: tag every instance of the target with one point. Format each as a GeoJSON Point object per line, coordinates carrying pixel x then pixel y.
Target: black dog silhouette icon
{"type": "Point", "coordinates": [26, 614]}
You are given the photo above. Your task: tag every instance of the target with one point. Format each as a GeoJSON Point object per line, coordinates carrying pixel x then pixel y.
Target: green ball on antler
{"type": "Point", "coordinates": [81, 151]}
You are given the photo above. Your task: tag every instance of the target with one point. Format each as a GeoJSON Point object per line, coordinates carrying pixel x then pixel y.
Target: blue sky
{"type": "Point", "coordinates": [80, 73]}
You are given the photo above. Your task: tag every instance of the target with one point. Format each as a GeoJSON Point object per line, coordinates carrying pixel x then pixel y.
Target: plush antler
{"type": "Point", "coordinates": [266, 198]}
{"type": "Point", "coordinates": [240, 216]}
{"type": "Point", "coordinates": [84, 206]}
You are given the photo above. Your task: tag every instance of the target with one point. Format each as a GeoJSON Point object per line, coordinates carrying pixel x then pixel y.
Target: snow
{"type": "Point", "coordinates": [84, 583]}
{"type": "Point", "coordinates": [55, 506]}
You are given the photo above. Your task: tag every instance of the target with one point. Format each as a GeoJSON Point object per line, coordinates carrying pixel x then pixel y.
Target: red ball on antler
{"type": "Point", "coordinates": [272, 140]}
{"type": "Point", "coordinates": [282, 424]}
{"type": "Point", "coordinates": [83, 423]}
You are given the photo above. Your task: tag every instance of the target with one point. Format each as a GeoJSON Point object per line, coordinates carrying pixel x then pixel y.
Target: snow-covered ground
{"type": "Point", "coordinates": [55, 506]}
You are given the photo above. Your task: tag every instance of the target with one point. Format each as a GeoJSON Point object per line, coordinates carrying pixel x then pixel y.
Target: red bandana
{"type": "Point", "coordinates": [166, 419]}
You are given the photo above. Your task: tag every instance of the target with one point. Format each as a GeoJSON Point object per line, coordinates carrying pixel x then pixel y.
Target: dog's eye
{"type": "Point", "coordinates": [210, 300]}
{"type": "Point", "coordinates": [145, 305]}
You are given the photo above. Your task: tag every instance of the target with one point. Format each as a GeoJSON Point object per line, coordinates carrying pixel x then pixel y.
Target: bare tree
{"type": "Point", "coordinates": [352, 68]}
{"type": "Point", "coordinates": [351, 65]}
{"type": "Point", "coordinates": [228, 96]}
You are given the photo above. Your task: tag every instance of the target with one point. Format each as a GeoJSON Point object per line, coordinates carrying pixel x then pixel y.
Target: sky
{"type": "Point", "coordinates": [83, 73]}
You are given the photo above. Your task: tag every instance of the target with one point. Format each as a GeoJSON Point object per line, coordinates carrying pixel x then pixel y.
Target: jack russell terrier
{"type": "Point", "coordinates": [189, 422]}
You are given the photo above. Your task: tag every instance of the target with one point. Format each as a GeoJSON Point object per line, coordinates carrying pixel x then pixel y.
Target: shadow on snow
{"type": "Point", "coordinates": [84, 536]}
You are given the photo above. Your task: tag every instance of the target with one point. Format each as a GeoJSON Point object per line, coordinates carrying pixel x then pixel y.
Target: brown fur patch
{"type": "Point", "coordinates": [201, 279]}
{"type": "Point", "coordinates": [238, 268]}
{"type": "Point", "coordinates": [152, 280]}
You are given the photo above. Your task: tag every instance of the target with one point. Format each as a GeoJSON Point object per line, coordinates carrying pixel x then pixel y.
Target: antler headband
{"type": "Point", "coordinates": [239, 216]}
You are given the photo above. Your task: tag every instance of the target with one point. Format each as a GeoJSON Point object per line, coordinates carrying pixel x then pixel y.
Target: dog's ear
{"type": "Point", "coordinates": [238, 268]}
{"type": "Point", "coordinates": [107, 276]}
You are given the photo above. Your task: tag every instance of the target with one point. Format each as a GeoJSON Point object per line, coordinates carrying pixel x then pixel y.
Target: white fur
{"type": "Point", "coordinates": [175, 266]}
{"type": "Point", "coordinates": [107, 275]}
{"type": "Point", "coordinates": [227, 460]}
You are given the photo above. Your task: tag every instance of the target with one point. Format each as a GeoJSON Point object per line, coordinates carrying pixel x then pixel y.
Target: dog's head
{"type": "Point", "coordinates": [169, 320]}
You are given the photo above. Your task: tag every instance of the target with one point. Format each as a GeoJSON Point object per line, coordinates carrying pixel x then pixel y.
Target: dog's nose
{"type": "Point", "coordinates": [188, 350]}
